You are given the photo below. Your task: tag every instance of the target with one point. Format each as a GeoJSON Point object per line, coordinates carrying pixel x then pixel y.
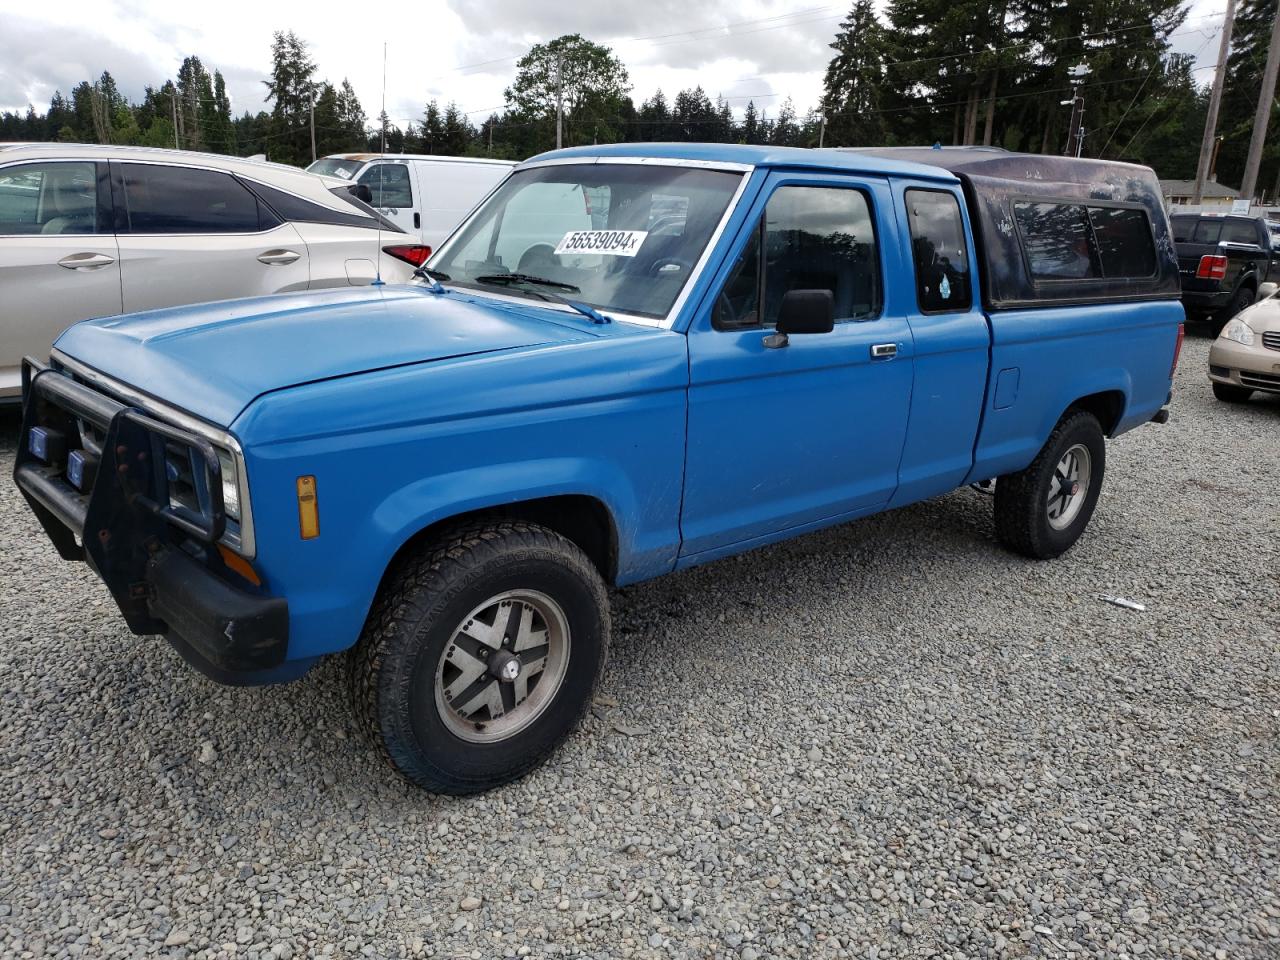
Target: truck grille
{"type": "Point", "coordinates": [1271, 340]}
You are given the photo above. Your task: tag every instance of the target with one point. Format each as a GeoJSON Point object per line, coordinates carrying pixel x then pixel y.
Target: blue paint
{"type": "Point", "coordinates": [413, 404]}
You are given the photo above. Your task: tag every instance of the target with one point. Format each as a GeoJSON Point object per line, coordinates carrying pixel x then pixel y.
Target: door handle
{"type": "Point", "coordinates": [884, 351]}
{"type": "Point", "coordinates": [85, 261]}
{"type": "Point", "coordinates": [278, 258]}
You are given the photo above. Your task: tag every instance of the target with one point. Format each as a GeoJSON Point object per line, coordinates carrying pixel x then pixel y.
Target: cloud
{"type": "Point", "coordinates": [38, 58]}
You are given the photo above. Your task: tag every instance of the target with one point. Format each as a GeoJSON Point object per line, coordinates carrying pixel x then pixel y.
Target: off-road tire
{"type": "Point", "coordinates": [392, 669]}
{"type": "Point", "coordinates": [1021, 500]}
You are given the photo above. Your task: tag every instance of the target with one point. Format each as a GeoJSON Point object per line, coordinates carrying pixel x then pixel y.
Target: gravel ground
{"type": "Point", "coordinates": [891, 739]}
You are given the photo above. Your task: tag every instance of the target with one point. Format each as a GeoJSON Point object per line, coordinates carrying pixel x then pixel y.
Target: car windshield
{"type": "Point", "coordinates": [336, 167]}
{"type": "Point", "coordinates": [621, 237]}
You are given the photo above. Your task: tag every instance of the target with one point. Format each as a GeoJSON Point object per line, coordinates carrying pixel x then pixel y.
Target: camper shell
{"type": "Point", "coordinates": [1011, 194]}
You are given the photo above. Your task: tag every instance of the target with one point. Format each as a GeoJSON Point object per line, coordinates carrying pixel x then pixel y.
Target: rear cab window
{"type": "Point", "coordinates": [1065, 240]}
{"type": "Point", "coordinates": [939, 251]}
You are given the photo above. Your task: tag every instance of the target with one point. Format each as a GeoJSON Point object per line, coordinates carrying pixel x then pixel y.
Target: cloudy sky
{"type": "Point", "coordinates": [463, 50]}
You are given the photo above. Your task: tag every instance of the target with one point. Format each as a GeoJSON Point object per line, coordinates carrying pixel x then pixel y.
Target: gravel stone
{"type": "Point", "coordinates": [921, 746]}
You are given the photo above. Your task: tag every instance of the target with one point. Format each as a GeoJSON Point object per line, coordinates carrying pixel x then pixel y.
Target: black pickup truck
{"type": "Point", "coordinates": [1223, 260]}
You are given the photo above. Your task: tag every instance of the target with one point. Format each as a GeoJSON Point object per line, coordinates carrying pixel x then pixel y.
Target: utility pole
{"type": "Point", "coordinates": [559, 100]}
{"type": "Point", "coordinates": [313, 124]}
{"type": "Point", "coordinates": [1075, 133]}
{"type": "Point", "coordinates": [822, 131]}
{"type": "Point", "coordinates": [1266, 98]}
{"type": "Point", "coordinates": [173, 100]}
{"type": "Point", "coordinates": [1215, 100]}
{"type": "Point", "coordinates": [491, 136]}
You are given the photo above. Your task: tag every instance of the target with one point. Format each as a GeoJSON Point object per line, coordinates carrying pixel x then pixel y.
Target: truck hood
{"type": "Point", "coordinates": [213, 359]}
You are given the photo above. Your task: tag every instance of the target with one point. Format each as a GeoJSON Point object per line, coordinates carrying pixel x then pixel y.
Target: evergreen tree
{"type": "Point", "coordinates": [592, 83]}
{"type": "Point", "coordinates": [751, 124]}
{"type": "Point", "coordinates": [456, 131]}
{"type": "Point", "coordinates": [351, 116]}
{"type": "Point", "coordinates": [432, 133]}
{"type": "Point", "coordinates": [289, 91]}
{"type": "Point", "coordinates": [786, 132]}
{"type": "Point", "coordinates": [855, 78]}
{"type": "Point", "coordinates": [693, 115]}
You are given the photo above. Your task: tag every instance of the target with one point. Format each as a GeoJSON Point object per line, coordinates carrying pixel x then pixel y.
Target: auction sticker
{"type": "Point", "coordinates": [614, 243]}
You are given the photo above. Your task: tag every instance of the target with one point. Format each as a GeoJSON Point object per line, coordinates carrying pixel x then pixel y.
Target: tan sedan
{"type": "Point", "coordinates": [1246, 355]}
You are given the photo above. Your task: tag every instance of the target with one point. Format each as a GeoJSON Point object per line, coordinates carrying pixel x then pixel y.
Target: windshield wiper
{"type": "Point", "coordinates": [507, 279]}
{"type": "Point", "coordinates": [527, 278]}
{"type": "Point", "coordinates": [431, 274]}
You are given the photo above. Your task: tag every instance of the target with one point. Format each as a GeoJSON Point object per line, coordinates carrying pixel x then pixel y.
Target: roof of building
{"type": "Point", "coordinates": [1185, 188]}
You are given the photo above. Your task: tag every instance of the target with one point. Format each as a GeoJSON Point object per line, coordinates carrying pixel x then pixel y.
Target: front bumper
{"type": "Point", "coordinates": [159, 560]}
{"type": "Point", "coordinates": [1254, 368]}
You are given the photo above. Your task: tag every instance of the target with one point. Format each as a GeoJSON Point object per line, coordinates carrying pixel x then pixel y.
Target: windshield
{"type": "Point", "coordinates": [336, 167]}
{"type": "Point", "coordinates": [620, 237]}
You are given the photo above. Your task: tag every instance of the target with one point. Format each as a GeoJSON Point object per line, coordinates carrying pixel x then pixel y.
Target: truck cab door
{"type": "Point", "coordinates": [781, 438]}
{"type": "Point", "coordinates": [395, 195]}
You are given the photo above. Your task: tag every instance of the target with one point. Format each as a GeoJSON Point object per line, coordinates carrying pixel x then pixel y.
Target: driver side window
{"type": "Point", "coordinates": [810, 238]}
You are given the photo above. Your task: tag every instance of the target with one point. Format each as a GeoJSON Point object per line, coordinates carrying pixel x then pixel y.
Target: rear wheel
{"type": "Point", "coordinates": [1042, 510]}
{"type": "Point", "coordinates": [1239, 300]}
{"type": "Point", "coordinates": [1230, 394]}
{"type": "Point", "coordinates": [481, 655]}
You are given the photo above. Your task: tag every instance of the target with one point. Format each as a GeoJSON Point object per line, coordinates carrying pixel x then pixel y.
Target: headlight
{"type": "Point", "coordinates": [230, 485]}
{"type": "Point", "coordinates": [1239, 331]}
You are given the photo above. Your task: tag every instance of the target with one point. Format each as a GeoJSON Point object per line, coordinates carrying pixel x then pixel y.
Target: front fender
{"type": "Point", "coordinates": [430, 500]}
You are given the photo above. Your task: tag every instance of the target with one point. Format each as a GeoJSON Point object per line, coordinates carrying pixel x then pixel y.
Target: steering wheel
{"type": "Point", "coordinates": [539, 253]}
{"type": "Point", "coordinates": [655, 268]}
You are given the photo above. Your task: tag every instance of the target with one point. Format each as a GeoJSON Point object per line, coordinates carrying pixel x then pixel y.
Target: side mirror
{"type": "Point", "coordinates": [807, 311]}
{"type": "Point", "coordinates": [803, 311]}
{"type": "Point", "coordinates": [361, 192]}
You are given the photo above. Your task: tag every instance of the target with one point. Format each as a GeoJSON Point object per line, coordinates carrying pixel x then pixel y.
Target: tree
{"type": "Point", "coordinates": [786, 132]}
{"type": "Point", "coordinates": [456, 132]}
{"type": "Point", "coordinates": [1249, 42]}
{"type": "Point", "coordinates": [351, 116]}
{"type": "Point", "coordinates": [854, 81]}
{"type": "Point", "coordinates": [591, 81]}
{"type": "Point", "coordinates": [290, 91]}
{"type": "Point", "coordinates": [693, 115]}
{"type": "Point", "coordinates": [751, 124]}
{"type": "Point", "coordinates": [432, 132]}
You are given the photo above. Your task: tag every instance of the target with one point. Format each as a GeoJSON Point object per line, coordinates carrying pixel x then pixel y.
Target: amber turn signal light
{"type": "Point", "coordinates": [308, 508]}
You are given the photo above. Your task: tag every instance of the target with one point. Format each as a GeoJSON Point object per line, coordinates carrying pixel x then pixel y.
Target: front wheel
{"type": "Point", "coordinates": [1042, 510]}
{"type": "Point", "coordinates": [480, 656]}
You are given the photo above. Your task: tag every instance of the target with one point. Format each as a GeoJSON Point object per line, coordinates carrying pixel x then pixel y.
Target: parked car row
{"type": "Point", "coordinates": [93, 231]}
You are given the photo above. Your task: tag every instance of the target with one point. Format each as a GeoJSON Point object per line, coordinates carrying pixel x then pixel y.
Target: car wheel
{"type": "Point", "coordinates": [1230, 394]}
{"type": "Point", "coordinates": [480, 655]}
{"type": "Point", "coordinates": [1042, 510]}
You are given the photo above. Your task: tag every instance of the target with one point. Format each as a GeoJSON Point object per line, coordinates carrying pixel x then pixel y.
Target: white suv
{"type": "Point", "coordinates": [91, 231]}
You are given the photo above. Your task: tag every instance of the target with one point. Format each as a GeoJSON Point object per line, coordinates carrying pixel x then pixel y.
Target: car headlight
{"type": "Point", "coordinates": [230, 485]}
{"type": "Point", "coordinates": [1239, 331]}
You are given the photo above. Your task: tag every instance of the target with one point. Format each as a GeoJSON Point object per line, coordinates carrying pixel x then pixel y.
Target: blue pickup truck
{"type": "Point", "coordinates": [627, 361]}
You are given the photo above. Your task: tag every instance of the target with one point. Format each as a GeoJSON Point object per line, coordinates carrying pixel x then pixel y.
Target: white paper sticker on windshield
{"type": "Point", "coordinates": [614, 243]}
{"type": "Point", "coordinates": [342, 172]}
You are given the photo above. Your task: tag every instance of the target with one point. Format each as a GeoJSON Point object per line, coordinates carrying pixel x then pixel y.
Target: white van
{"type": "Point", "coordinates": [425, 196]}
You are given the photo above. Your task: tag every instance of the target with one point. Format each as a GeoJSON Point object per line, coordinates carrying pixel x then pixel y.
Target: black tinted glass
{"type": "Point", "coordinates": [389, 183]}
{"type": "Point", "coordinates": [1240, 231]}
{"type": "Point", "coordinates": [1182, 228]}
{"type": "Point", "coordinates": [184, 200]}
{"type": "Point", "coordinates": [1058, 241]}
{"type": "Point", "coordinates": [294, 208]}
{"type": "Point", "coordinates": [1125, 245]}
{"type": "Point", "coordinates": [937, 245]}
{"type": "Point", "coordinates": [821, 238]}
{"type": "Point", "coordinates": [1207, 231]}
